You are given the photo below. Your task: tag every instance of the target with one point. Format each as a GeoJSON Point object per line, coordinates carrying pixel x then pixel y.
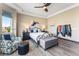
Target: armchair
{"type": "Point", "coordinates": [9, 43]}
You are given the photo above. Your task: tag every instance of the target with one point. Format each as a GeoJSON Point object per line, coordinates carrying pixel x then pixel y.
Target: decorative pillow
{"type": "Point", "coordinates": [31, 30]}
{"type": "Point", "coordinates": [12, 37]}
{"type": "Point", "coordinates": [36, 30]}
{"type": "Point", "coordinates": [7, 37]}
{"type": "Point", "coordinates": [39, 30]}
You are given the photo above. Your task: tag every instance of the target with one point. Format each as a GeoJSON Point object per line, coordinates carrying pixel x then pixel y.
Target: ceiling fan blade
{"type": "Point", "coordinates": [39, 7]}
{"type": "Point", "coordinates": [47, 4]}
{"type": "Point", "coordinates": [46, 10]}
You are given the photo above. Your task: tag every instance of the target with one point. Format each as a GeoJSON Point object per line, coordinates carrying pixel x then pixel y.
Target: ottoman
{"type": "Point", "coordinates": [23, 48]}
{"type": "Point", "coordinates": [48, 42]}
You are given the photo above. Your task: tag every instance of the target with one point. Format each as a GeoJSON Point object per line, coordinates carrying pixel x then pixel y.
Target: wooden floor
{"type": "Point", "coordinates": [65, 48]}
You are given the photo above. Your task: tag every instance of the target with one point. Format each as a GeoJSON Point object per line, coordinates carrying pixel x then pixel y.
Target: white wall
{"type": "Point", "coordinates": [0, 18]}
{"type": "Point", "coordinates": [68, 17]}
{"type": "Point", "coordinates": [24, 21]}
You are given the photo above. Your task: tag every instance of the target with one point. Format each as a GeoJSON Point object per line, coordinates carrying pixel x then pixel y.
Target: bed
{"type": "Point", "coordinates": [35, 36]}
{"type": "Point", "coordinates": [34, 33]}
{"type": "Point", "coordinates": [45, 40]}
{"type": "Point", "coordinates": [42, 38]}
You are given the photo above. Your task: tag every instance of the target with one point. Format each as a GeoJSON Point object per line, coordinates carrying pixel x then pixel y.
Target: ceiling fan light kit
{"type": "Point", "coordinates": [44, 7]}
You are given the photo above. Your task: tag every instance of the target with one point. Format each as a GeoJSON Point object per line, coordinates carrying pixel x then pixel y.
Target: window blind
{"type": "Point", "coordinates": [7, 14]}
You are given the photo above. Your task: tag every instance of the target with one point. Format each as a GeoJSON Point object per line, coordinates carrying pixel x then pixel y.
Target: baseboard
{"type": "Point", "coordinates": [68, 40]}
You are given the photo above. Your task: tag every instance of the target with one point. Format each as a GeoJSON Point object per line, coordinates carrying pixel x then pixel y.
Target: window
{"type": "Point", "coordinates": [6, 23]}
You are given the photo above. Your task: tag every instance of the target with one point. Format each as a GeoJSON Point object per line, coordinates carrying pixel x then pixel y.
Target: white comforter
{"type": "Point", "coordinates": [35, 35]}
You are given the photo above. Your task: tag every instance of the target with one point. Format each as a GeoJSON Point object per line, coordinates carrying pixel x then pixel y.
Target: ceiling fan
{"type": "Point", "coordinates": [44, 6]}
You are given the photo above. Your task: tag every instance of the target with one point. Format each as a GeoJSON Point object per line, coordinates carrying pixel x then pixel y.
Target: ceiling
{"type": "Point", "coordinates": [28, 8]}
